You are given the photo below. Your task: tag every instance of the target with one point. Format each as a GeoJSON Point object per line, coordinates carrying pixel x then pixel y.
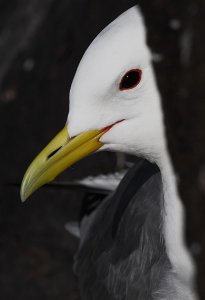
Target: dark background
{"type": "Point", "coordinates": [41, 43]}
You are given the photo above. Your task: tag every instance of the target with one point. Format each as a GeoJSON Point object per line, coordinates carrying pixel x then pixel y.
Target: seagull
{"type": "Point", "coordinates": [132, 245]}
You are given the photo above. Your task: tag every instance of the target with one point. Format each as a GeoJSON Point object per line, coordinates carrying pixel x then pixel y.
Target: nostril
{"type": "Point", "coordinates": [54, 152]}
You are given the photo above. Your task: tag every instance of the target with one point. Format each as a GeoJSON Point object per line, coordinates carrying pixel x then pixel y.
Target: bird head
{"type": "Point", "coordinates": [114, 104]}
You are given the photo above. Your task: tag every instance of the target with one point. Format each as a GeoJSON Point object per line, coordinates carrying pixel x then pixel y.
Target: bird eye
{"type": "Point", "coordinates": [131, 79]}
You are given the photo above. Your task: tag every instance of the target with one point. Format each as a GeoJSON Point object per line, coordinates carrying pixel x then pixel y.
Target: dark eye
{"type": "Point", "coordinates": [131, 79]}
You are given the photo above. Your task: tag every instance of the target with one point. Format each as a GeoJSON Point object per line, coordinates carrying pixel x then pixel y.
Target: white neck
{"type": "Point", "coordinates": [174, 223]}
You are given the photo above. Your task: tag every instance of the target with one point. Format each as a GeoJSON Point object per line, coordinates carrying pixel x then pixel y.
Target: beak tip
{"type": "Point", "coordinates": [23, 199]}
{"type": "Point", "coordinates": [23, 196]}
{"type": "Point", "coordinates": [24, 193]}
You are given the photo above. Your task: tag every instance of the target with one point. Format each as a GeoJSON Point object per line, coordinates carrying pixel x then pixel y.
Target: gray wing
{"type": "Point", "coordinates": [122, 252]}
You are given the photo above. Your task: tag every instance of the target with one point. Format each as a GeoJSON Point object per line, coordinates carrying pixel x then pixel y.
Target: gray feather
{"type": "Point", "coordinates": [132, 263]}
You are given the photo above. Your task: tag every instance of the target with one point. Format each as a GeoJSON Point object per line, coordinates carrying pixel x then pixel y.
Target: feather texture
{"type": "Point", "coordinates": [132, 263]}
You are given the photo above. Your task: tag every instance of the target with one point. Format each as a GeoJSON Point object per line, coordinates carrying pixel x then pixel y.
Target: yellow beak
{"type": "Point", "coordinates": [59, 154]}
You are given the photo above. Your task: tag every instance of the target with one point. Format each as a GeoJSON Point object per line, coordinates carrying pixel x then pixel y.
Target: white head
{"type": "Point", "coordinates": [103, 93]}
{"type": "Point", "coordinates": [96, 100]}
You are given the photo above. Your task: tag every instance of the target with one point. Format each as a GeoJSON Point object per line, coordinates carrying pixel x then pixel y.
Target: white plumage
{"type": "Point", "coordinates": [96, 102]}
